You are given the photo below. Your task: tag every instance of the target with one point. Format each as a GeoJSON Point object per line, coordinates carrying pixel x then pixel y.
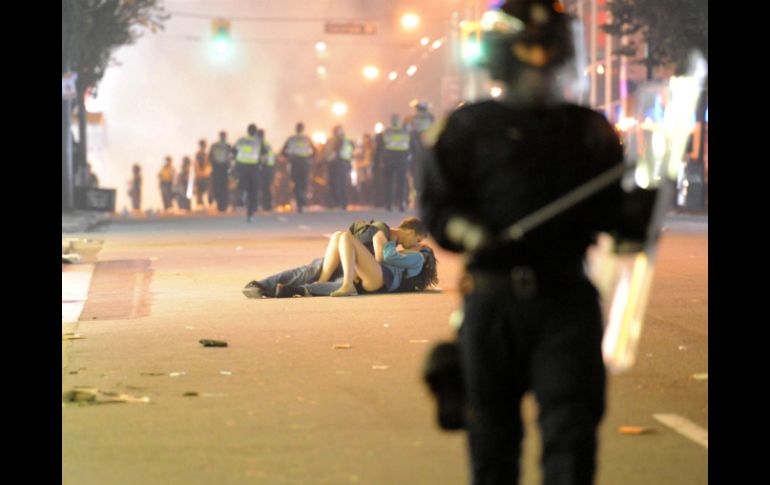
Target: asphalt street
{"type": "Point", "coordinates": [326, 390]}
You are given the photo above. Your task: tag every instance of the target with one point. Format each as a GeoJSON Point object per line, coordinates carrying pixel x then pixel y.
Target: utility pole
{"type": "Point", "coordinates": [69, 88]}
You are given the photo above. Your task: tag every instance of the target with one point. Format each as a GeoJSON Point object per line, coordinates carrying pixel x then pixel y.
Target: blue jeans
{"type": "Point", "coordinates": [305, 276]}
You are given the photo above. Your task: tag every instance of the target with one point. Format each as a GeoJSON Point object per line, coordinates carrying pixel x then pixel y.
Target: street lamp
{"type": "Point", "coordinates": [371, 72]}
{"type": "Point", "coordinates": [339, 108]}
{"type": "Point", "coordinates": [319, 137]}
{"type": "Point", "coordinates": [410, 21]}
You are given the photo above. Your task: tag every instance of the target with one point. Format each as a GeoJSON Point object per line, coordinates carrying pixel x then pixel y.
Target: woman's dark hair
{"type": "Point", "coordinates": [427, 277]}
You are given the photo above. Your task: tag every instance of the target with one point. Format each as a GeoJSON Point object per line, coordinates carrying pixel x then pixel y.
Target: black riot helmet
{"type": "Point", "coordinates": [533, 34]}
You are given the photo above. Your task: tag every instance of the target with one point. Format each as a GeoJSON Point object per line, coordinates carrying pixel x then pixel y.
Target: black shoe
{"type": "Point", "coordinates": [253, 290]}
{"type": "Point", "coordinates": [288, 291]}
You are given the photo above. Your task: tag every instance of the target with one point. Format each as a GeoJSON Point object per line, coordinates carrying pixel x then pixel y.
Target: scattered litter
{"type": "Point", "coordinates": [380, 367]}
{"type": "Point", "coordinates": [225, 372]}
{"type": "Point", "coordinates": [71, 336]}
{"type": "Point", "coordinates": [701, 376]}
{"type": "Point", "coordinates": [341, 346]}
{"type": "Point", "coordinates": [190, 394]}
{"type": "Point", "coordinates": [177, 374]}
{"type": "Point", "coordinates": [682, 347]}
{"type": "Point", "coordinates": [153, 374]}
{"type": "Point", "coordinates": [70, 258]}
{"type": "Point", "coordinates": [97, 396]}
{"type": "Point", "coordinates": [213, 343]}
{"type": "Point", "coordinates": [418, 341]}
{"type": "Point", "coordinates": [635, 430]}
{"type": "Point", "coordinates": [73, 372]}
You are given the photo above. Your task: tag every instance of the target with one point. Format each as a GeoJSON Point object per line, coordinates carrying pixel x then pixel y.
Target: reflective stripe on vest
{"type": "Point", "coordinates": [422, 121]}
{"type": "Point", "coordinates": [248, 150]}
{"type": "Point", "coordinates": [299, 146]}
{"type": "Point", "coordinates": [346, 152]}
{"type": "Point", "coordinates": [268, 158]}
{"type": "Point", "coordinates": [396, 140]}
{"type": "Point", "coordinates": [219, 152]}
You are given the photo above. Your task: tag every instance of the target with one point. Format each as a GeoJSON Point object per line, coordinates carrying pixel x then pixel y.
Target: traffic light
{"type": "Point", "coordinates": [470, 42]}
{"type": "Point", "coordinates": [220, 30]}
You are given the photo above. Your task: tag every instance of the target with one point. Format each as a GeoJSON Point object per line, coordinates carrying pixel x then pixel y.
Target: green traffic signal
{"type": "Point", "coordinates": [222, 42]}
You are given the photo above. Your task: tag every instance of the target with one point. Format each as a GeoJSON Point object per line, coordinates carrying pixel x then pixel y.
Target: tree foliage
{"type": "Point", "coordinates": [93, 29]}
{"type": "Point", "coordinates": [671, 28]}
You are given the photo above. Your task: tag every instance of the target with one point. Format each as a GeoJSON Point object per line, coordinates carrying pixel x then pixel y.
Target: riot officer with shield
{"type": "Point", "coordinates": [532, 320]}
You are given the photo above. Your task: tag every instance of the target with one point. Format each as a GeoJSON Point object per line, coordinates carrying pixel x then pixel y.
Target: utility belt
{"type": "Point", "coordinates": [523, 281]}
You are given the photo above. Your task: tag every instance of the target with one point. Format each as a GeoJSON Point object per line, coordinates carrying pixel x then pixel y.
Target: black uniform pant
{"type": "Point", "coordinates": [248, 180]}
{"type": "Point", "coordinates": [167, 193]}
{"type": "Point", "coordinates": [219, 182]}
{"type": "Point", "coordinates": [266, 177]}
{"type": "Point", "coordinates": [551, 345]}
{"type": "Point", "coordinates": [396, 185]}
{"type": "Point", "coordinates": [300, 171]}
{"type": "Point", "coordinates": [339, 180]}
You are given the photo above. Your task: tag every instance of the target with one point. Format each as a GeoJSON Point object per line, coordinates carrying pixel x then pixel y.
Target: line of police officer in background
{"type": "Point", "coordinates": [382, 171]}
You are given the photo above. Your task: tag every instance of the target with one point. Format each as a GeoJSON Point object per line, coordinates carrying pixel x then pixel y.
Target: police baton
{"type": "Point", "coordinates": [516, 231]}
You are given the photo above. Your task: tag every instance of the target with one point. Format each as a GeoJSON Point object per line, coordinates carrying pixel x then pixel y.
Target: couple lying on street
{"type": "Point", "coordinates": [363, 259]}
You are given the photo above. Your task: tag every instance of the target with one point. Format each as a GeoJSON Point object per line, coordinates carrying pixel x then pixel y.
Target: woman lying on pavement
{"type": "Point", "coordinates": [390, 270]}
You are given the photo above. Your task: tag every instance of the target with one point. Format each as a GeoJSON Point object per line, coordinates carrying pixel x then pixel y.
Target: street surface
{"type": "Point", "coordinates": [282, 405]}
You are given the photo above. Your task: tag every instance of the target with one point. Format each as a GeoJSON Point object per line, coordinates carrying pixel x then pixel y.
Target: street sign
{"type": "Point", "coordinates": [358, 28]}
{"type": "Point", "coordinates": [68, 88]}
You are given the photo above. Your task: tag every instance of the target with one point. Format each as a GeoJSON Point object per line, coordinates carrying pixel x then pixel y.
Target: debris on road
{"type": "Point", "coordinates": [213, 343]}
{"type": "Point", "coordinates": [190, 394]}
{"type": "Point", "coordinates": [85, 396]}
{"type": "Point", "coordinates": [225, 372]}
{"type": "Point", "coordinates": [71, 336]}
{"type": "Point", "coordinates": [418, 341]}
{"type": "Point", "coordinates": [153, 374]}
{"type": "Point", "coordinates": [682, 347]}
{"type": "Point", "coordinates": [635, 430]}
{"type": "Point", "coordinates": [341, 346]}
{"type": "Point", "coordinates": [71, 258]}
{"type": "Point", "coordinates": [177, 374]}
{"type": "Point", "coordinates": [703, 376]}
{"type": "Point", "coordinates": [380, 367]}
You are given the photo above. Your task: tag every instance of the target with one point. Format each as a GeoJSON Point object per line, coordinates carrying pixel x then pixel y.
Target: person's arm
{"type": "Point", "coordinates": [379, 241]}
{"type": "Point", "coordinates": [446, 200]}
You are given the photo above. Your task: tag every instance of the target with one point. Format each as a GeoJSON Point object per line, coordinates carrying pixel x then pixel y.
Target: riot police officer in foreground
{"type": "Point", "coordinates": [532, 320]}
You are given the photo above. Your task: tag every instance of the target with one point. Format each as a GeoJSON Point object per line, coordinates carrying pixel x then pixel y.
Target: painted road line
{"type": "Point", "coordinates": [74, 291]}
{"type": "Point", "coordinates": [685, 427]}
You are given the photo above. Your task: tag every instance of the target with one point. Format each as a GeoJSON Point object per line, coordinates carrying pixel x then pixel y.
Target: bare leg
{"type": "Point", "coordinates": [357, 260]}
{"type": "Point", "coordinates": [331, 258]}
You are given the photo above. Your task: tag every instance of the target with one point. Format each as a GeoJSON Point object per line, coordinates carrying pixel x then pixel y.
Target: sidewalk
{"type": "Point", "coordinates": [83, 221]}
